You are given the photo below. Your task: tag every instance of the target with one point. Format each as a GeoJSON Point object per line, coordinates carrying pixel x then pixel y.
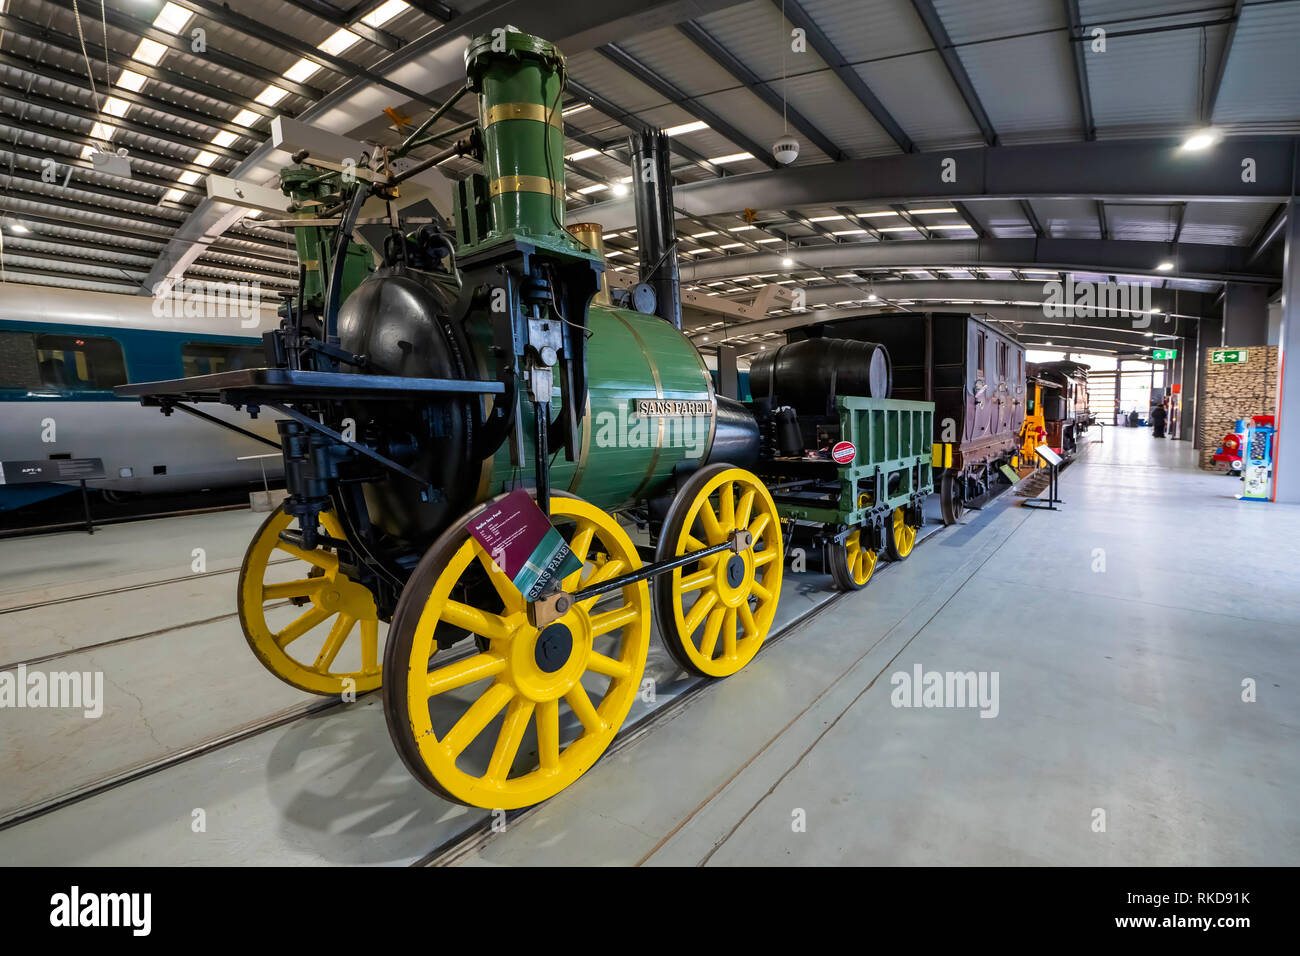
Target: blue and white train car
{"type": "Point", "coordinates": [63, 350]}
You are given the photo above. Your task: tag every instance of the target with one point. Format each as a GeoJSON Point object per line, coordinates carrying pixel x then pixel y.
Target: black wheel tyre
{"type": "Point", "coordinates": [950, 498]}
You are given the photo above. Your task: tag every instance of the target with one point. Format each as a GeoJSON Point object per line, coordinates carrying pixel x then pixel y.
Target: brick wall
{"type": "Point", "coordinates": [1236, 391]}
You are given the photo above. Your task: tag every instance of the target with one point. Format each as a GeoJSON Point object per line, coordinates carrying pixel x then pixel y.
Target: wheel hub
{"type": "Point", "coordinates": [735, 575]}
{"type": "Point", "coordinates": [735, 570]}
{"type": "Point", "coordinates": [553, 647]}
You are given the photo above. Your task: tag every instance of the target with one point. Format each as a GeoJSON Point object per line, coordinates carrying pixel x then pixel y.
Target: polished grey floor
{"type": "Point", "coordinates": [1125, 630]}
{"type": "Point", "coordinates": [1121, 629]}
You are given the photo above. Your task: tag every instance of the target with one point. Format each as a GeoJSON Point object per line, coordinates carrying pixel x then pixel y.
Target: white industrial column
{"type": "Point", "coordinates": [1286, 468]}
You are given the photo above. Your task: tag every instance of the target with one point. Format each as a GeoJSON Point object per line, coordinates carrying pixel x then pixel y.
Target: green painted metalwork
{"type": "Point", "coordinates": [893, 463]}
{"type": "Point", "coordinates": [623, 457]}
{"type": "Point", "coordinates": [314, 190]}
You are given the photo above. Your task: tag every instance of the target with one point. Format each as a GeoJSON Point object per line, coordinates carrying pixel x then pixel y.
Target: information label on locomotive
{"type": "Point", "coordinates": [521, 540]}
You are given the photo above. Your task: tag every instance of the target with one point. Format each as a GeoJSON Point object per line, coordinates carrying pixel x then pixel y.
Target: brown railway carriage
{"type": "Point", "coordinates": [973, 373]}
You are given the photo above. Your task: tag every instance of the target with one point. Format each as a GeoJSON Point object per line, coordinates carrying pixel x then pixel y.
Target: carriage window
{"type": "Point", "coordinates": [1031, 401]}
{"type": "Point", "coordinates": [979, 353]}
{"type": "Point", "coordinates": [1002, 360]}
{"type": "Point", "coordinates": [203, 358]}
{"type": "Point", "coordinates": [79, 362]}
{"type": "Point", "coordinates": [18, 365]}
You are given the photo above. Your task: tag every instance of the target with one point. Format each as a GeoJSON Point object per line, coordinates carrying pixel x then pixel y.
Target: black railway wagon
{"type": "Point", "coordinates": [974, 374]}
{"type": "Point", "coordinates": [1066, 412]}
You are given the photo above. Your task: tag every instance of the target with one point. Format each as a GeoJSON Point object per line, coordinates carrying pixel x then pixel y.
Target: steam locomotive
{"type": "Point", "coordinates": [463, 386]}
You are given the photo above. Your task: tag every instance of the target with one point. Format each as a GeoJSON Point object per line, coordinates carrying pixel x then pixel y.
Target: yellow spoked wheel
{"type": "Point", "coordinates": [307, 621]}
{"type": "Point", "coordinates": [850, 563]}
{"type": "Point", "coordinates": [902, 536]}
{"type": "Point", "coordinates": [715, 613]}
{"type": "Point", "coordinates": [527, 714]}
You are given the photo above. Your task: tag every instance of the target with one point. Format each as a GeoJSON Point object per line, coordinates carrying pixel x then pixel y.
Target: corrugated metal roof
{"type": "Point", "coordinates": [1261, 84]}
{"type": "Point", "coordinates": [1022, 110]}
{"type": "Point", "coordinates": [1148, 85]}
{"type": "Point", "coordinates": [919, 92]}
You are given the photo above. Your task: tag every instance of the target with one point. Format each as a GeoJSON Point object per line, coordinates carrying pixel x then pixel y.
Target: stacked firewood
{"type": "Point", "coordinates": [1236, 391]}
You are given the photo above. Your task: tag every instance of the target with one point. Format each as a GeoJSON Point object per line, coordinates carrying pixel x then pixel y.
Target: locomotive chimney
{"type": "Point", "coordinates": [652, 196]}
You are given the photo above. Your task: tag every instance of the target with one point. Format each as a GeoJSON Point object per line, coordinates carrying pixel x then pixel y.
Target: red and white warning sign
{"type": "Point", "coordinates": [844, 452]}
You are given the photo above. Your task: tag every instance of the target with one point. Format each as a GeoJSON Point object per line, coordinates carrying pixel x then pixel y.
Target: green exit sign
{"type": "Point", "coordinates": [1161, 355]}
{"type": "Point", "coordinates": [1228, 356]}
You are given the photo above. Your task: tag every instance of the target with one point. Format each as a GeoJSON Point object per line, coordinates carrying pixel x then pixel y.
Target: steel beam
{"type": "Point", "coordinates": [827, 50]}
{"type": "Point", "coordinates": [1130, 257]}
{"type": "Point", "coordinates": [944, 45]}
{"type": "Point", "coordinates": [1081, 71]}
{"type": "Point", "coordinates": [755, 84]}
{"type": "Point", "coordinates": [1212, 91]}
{"type": "Point", "coordinates": [1112, 170]}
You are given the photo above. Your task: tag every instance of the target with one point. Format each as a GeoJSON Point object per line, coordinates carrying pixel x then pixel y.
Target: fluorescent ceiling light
{"type": "Point", "coordinates": [205, 158]}
{"type": "Point", "coordinates": [224, 138]}
{"type": "Point", "coordinates": [174, 195]}
{"type": "Point", "coordinates": [301, 70]}
{"type": "Point", "coordinates": [847, 232]}
{"type": "Point", "coordinates": [947, 225]}
{"type": "Point", "coordinates": [172, 17]}
{"type": "Point", "coordinates": [114, 106]}
{"type": "Point", "coordinates": [382, 14]}
{"type": "Point", "coordinates": [149, 51]}
{"type": "Point", "coordinates": [773, 239]}
{"type": "Point", "coordinates": [1201, 139]}
{"type": "Point", "coordinates": [825, 218]}
{"type": "Point", "coordinates": [582, 154]}
{"type": "Point", "coordinates": [271, 95]}
{"type": "Point", "coordinates": [876, 215]}
{"type": "Point", "coordinates": [926, 212]}
{"type": "Point", "coordinates": [246, 118]}
{"type": "Point", "coordinates": [702, 235]}
{"type": "Point", "coordinates": [741, 228]}
{"type": "Point", "coordinates": [338, 41]}
{"type": "Point", "coordinates": [592, 189]}
{"type": "Point", "coordinates": [731, 245]}
{"type": "Point", "coordinates": [575, 109]}
{"type": "Point", "coordinates": [131, 80]}
{"type": "Point", "coordinates": [730, 158]}
{"type": "Point", "coordinates": [693, 127]}
{"type": "Point", "coordinates": [189, 177]}
{"type": "Point", "coordinates": [897, 229]}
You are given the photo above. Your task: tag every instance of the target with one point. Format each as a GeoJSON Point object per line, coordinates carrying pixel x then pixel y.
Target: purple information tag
{"type": "Point", "coordinates": [519, 537]}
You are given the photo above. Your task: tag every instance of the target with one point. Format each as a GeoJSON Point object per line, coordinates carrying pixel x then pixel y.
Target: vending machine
{"type": "Point", "coordinates": [1257, 459]}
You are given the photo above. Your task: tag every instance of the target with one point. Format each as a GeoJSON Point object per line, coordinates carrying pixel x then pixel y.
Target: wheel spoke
{"type": "Point", "coordinates": [584, 709]}
{"type": "Point", "coordinates": [463, 672]}
{"type": "Point", "coordinates": [301, 625]}
{"type": "Point", "coordinates": [709, 639]}
{"type": "Point", "coordinates": [478, 716]}
{"type": "Point", "coordinates": [729, 633]}
{"type": "Point", "coordinates": [745, 508]}
{"type": "Point", "coordinates": [505, 588]}
{"type": "Point", "coordinates": [759, 591]}
{"type": "Point", "coordinates": [727, 506]}
{"type": "Point", "coordinates": [548, 734]}
{"type": "Point", "coordinates": [747, 620]}
{"type": "Point", "coordinates": [758, 526]}
{"type": "Point", "coordinates": [692, 543]}
{"type": "Point", "coordinates": [509, 739]}
{"type": "Point", "coordinates": [370, 646]}
{"type": "Point", "coordinates": [610, 569]}
{"type": "Point", "coordinates": [476, 621]}
{"type": "Point", "coordinates": [579, 545]}
{"type": "Point", "coordinates": [700, 608]}
{"type": "Point", "coordinates": [303, 587]}
{"type": "Point", "coordinates": [714, 533]}
{"type": "Point", "coordinates": [325, 560]}
{"type": "Point", "coordinates": [334, 641]}
{"type": "Point", "coordinates": [607, 621]}
{"type": "Point", "coordinates": [693, 582]}
{"type": "Point", "coordinates": [607, 666]}
{"type": "Point", "coordinates": [764, 557]}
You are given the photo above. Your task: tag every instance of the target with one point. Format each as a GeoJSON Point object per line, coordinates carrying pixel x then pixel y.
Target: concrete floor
{"type": "Point", "coordinates": [1119, 690]}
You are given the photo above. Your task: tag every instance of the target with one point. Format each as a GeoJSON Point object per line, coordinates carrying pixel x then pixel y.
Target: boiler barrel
{"type": "Point", "coordinates": [805, 374]}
